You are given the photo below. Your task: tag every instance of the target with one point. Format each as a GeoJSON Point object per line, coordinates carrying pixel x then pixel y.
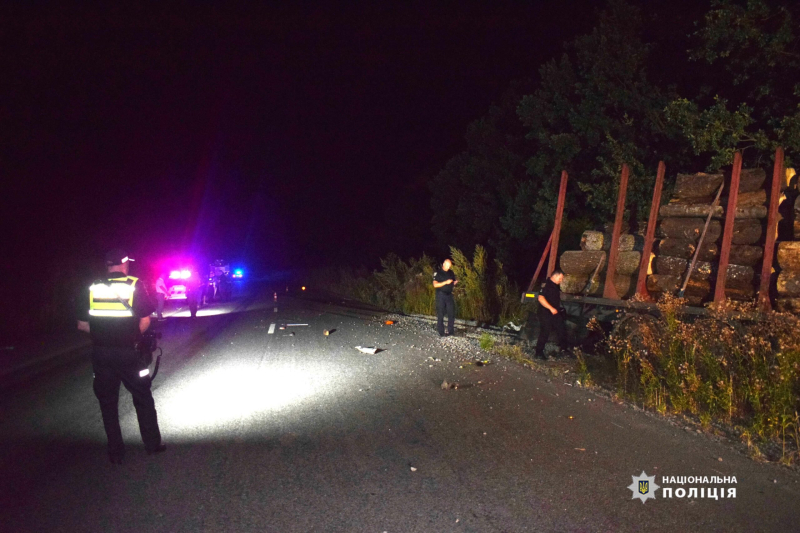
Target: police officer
{"type": "Point", "coordinates": [443, 281]}
{"type": "Point", "coordinates": [115, 311]}
{"type": "Point", "coordinates": [552, 317]}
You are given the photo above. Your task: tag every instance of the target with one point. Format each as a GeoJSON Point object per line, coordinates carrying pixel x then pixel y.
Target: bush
{"type": "Point", "coordinates": [483, 293]}
{"type": "Point", "coordinates": [486, 342]}
{"type": "Point", "coordinates": [735, 364]}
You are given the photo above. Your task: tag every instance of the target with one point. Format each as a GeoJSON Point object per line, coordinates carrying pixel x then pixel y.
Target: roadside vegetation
{"type": "Point", "coordinates": [725, 367]}
{"type": "Point", "coordinates": [484, 292]}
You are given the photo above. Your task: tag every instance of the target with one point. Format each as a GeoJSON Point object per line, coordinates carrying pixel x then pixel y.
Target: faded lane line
{"type": "Point", "coordinates": [271, 329]}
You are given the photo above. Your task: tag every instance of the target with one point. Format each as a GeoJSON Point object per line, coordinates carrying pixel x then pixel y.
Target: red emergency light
{"type": "Point", "coordinates": [180, 274]}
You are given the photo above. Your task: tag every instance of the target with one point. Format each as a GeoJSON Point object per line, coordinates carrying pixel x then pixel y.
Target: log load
{"type": "Point", "coordinates": [748, 199]}
{"type": "Point", "coordinates": [789, 255]}
{"type": "Point", "coordinates": [598, 240]}
{"type": "Point", "coordinates": [696, 291]}
{"type": "Point", "coordinates": [625, 286]}
{"type": "Point", "coordinates": [738, 275]}
{"type": "Point", "coordinates": [741, 254]}
{"type": "Point", "coordinates": [747, 231]}
{"type": "Point", "coordinates": [789, 284]}
{"type": "Point", "coordinates": [573, 284]}
{"type": "Point", "coordinates": [747, 255]}
{"type": "Point", "coordinates": [750, 180]}
{"type": "Point", "coordinates": [670, 266]}
{"type": "Point", "coordinates": [702, 185]}
{"type": "Point", "coordinates": [685, 249]}
{"type": "Point", "coordinates": [702, 210]}
{"type": "Point", "coordinates": [689, 229]}
{"type": "Point", "coordinates": [628, 263]}
{"type": "Point", "coordinates": [582, 263]}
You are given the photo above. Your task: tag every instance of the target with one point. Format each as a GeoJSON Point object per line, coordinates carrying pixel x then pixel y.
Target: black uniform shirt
{"type": "Point", "coordinates": [551, 293]}
{"type": "Point", "coordinates": [117, 332]}
{"type": "Point", "coordinates": [444, 275]}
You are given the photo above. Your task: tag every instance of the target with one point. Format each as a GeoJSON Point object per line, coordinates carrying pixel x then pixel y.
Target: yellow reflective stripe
{"type": "Point", "coordinates": [110, 312]}
{"type": "Point", "coordinates": [530, 295]}
{"type": "Point", "coordinates": [110, 296]}
{"type": "Point", "coordinates": [115, 290]}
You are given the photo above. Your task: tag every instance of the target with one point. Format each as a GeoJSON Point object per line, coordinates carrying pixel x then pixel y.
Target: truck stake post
{"type": "Point", "coordinates": [610, 290]}
{"type": "Point", "coordinates": [641, 282]}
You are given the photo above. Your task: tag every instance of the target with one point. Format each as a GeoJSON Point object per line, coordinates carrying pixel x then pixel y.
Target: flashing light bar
{"type": "Point", "coordinates": [180, 274]}
{"type": "Point", "coordinates": [238, 273]}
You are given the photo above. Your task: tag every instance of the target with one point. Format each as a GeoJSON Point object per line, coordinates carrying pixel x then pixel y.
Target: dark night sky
{"type": "Point", "coordinates": [275, 134]}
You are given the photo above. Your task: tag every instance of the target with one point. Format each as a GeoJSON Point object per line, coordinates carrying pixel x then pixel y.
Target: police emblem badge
{"type": "Point", "coordinates": [643, 487]}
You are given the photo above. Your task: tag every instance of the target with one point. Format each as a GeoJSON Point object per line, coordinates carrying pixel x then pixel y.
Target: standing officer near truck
{"type": "Point", "coordinates": [552, 317]}
{"type": "Point", "coordinates": [443, 281]}
{"type": "Point", "coordinates": [115, 312]}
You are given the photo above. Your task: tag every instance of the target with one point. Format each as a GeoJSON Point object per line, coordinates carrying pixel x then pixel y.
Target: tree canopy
{"type": "Point", "coordinates": [608, 100]}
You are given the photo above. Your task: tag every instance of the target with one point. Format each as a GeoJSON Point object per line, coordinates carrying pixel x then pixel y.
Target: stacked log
{"type": "Point", "coordinates": [681, 223]}
{"type": "Point", "coordinates": [580, 265]}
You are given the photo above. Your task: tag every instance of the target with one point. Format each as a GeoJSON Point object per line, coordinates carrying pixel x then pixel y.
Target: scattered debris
{"type": "Point", "coordinates": [413, 469]}
{"type": "Point", "coordinates": [389, 322]}
{"type": "Point", "coordinates": [513, 326]}
{"type": "Point", "coordinates": [295, 325]}
{"type": "Point", "coordinates": [580, 449]}
{"type": "Point", "coordinates": [367, 349]}
{"type": "Point", "coordinates": [290, 334]}
{"type": "Point", "coordinates": [328, 332]}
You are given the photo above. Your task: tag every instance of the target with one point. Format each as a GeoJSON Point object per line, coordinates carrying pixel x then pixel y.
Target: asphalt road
{"type": "Point", "coordinates": [269, 431]}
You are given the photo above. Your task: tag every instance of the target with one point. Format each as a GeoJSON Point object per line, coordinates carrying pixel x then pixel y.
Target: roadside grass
{"type": "Point", "coordinates": [735, 366]}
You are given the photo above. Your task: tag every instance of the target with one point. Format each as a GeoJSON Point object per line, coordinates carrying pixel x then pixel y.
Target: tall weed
{"type": "Point", "coordinates": [484, 292]}
{"type": "Point", "coordinates": [735, 364]}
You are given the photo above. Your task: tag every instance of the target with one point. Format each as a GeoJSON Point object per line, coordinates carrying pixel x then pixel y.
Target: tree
{"type": "Point", "coordinates": [753, 48]}
{"type": "Point", "coordinates": [474, 189]}
{"type": "Point", "coordinates": [594, 110]}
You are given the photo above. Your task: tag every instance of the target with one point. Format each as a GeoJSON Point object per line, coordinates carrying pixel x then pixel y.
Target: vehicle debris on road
{"type": "Point", "coordinates": [367, 349]}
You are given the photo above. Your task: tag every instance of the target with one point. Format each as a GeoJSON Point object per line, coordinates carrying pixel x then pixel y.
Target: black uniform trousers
{"type": "Point", "coordinates": [548, 322]}
{"type": "Point", "coordinates": [113, 366]}
{"type": "Point", "coordinates": [445, 303]}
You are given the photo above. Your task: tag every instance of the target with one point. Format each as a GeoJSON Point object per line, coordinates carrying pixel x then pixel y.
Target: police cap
{"type": "Point", "coordinates": [117, 256]}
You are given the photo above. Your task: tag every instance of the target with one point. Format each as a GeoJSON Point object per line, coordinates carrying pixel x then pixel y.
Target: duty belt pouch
{"type": "Point", "coordinates": [145, 355]}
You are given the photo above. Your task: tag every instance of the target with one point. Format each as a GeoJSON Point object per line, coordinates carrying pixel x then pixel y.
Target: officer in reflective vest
{"type": "Point", "coordinates": [115, 312]}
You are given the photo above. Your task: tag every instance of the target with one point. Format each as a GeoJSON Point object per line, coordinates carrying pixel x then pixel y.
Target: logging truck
{"type": "Point", "coordinates": [715, 239]}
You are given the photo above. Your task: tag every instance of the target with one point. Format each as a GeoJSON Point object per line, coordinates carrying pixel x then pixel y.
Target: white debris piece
{"type": "Point", "coordinates": [367, 349]}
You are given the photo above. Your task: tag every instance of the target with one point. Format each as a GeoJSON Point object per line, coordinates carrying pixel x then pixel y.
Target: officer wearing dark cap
{"type": "Point", "coordinates": [115, 312]}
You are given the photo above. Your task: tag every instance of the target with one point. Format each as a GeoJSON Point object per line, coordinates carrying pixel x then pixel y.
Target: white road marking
{"type": "Point", "coordinates": [275, 310]}
{"type": "Point", "coordinates": [271, 329]}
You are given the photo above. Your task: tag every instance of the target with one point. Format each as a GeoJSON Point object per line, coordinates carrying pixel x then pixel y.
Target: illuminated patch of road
{"type": "Point", "coordinates": [238, 397]}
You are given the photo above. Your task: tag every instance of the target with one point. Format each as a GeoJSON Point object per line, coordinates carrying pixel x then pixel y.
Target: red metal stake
{"type": "Point", "coordinates": [532, 284]}
{"type": "Point", "coordinates": [772, 232]}
{"type": "Point", "coordinates": [562, 194]}
{"type": "Point", "coordinates": [610, 291]}
{"type": "Point", "coordinates": [727, 234]}
{"type": "Point", "coordinates": [641, 283]}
